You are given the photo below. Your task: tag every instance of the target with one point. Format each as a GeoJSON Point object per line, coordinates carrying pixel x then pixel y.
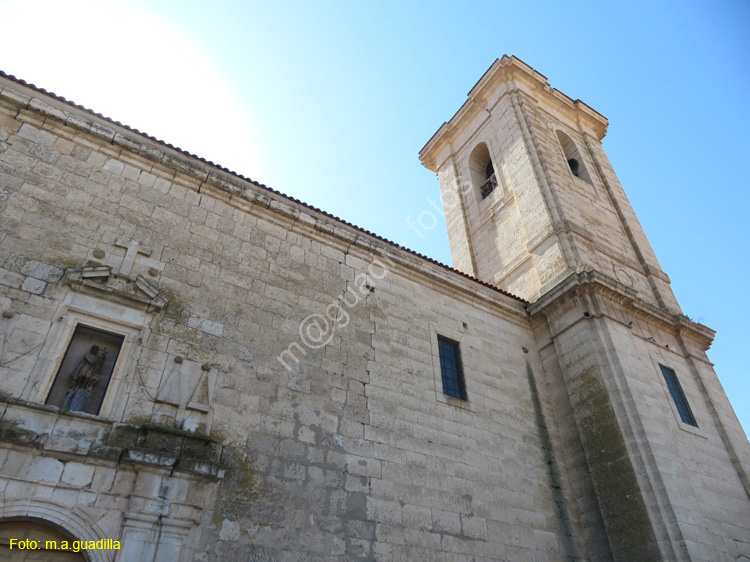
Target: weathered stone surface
{"type": "Point", "coordinates": [278, 393]}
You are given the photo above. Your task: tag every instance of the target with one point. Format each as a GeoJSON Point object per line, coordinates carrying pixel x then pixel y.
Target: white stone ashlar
{"type": "Point", "coordinates": [208, 446]}
{"type": "Point", "coordinates": [604, 318]}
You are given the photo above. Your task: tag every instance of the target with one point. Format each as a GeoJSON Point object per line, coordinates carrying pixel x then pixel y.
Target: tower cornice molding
{"type": "Point", "coordinates": [509, 72]}
{"type": "Point", "coordinates": [586, 281]}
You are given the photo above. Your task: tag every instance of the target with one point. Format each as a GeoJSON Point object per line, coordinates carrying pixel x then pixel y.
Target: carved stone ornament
{"type": "Point", "coordinates": [188, 387]}
{"type": "Point", "coordinates": [100, 281]}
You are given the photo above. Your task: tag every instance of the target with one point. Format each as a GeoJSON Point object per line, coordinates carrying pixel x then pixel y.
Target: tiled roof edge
{"type": "Point", "coordinates": [52, 95]}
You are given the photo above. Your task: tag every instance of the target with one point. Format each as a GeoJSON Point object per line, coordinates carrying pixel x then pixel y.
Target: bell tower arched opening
{"type": "Point", "coordinates": [573, 157]}
{"type": "Point", "coordinates": [483, 176]}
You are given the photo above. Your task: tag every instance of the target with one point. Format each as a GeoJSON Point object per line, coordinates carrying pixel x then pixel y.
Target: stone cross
{"type": "Point", "coordinates": [134, 247]}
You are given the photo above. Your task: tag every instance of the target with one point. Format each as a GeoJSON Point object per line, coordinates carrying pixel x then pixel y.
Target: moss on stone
{"type": "Point", "coordinates": [176, 305]}
{"type": "Point", "coordinates": [239, 490]}
{"type": "Point", "coordinates": [11, 432]}
{"type": "Point", "coordinates": [613, 475]}
{"type": "Point", "coordinates": [565, 527]}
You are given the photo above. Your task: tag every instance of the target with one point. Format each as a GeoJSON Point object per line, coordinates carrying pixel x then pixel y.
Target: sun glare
{"type": "Point", "coordinates": [127, 64]}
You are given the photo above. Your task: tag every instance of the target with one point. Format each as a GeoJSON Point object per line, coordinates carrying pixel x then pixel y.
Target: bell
{"type": "Point", "coordinates": [573, 163]}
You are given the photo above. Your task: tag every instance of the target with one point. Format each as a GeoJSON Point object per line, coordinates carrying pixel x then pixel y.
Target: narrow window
{"type": "Point", "coordinates": [451, 369]}
{"type": "Point", "coordinates": [678, 396]}
{"type": "Point", "coordinates": [86, 369]}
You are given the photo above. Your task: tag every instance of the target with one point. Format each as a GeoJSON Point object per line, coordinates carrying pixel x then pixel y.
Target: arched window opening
{"type": "Point", "coordinates": [482, 170]}
{"type": "Point", "coordinates": [573, 157]}
{"type": "Point", "coordinates": [43, 543]}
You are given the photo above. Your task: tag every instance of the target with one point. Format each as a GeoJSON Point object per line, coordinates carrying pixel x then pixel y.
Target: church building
{"type": "Point", "coordinates": [196, 367]}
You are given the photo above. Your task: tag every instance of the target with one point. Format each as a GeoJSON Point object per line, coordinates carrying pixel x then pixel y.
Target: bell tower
{"type": "Point", "coordinates": [533, 206]}
{"type": "Point", "coordinates": [529, 194]}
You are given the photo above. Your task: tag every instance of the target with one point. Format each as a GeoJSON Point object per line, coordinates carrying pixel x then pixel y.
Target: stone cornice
{"type": "Point", "coordinates": [591, 281]}
{"type": "Point", "coordinates": [510, 69]}
{"type": "Point", "coordinates": [24, 423]}
{"type": "Point", "coordinates": [406, 264]}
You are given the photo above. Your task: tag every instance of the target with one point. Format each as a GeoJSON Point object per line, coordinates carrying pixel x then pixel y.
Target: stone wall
{"type": "Point", "coordinates": [605, 322]}
{"type": "Point", "coordinates": [542, 222]}
{"type": "Point", "coordinates": [277, 391]}
{"type": "Point", "coordinates": [229, 431]}
{"type": "Point", "coordinates": [666, 489]}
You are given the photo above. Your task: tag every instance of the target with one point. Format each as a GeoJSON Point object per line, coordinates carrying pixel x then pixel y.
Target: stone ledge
{"type": "Point", "coordinates": [588, 279]}
{"type": "Point", "coordinates": [44, 427]}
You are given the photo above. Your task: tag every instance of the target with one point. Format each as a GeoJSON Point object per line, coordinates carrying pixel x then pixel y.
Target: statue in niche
{"type": "Point", "coordinates": [83, 379]}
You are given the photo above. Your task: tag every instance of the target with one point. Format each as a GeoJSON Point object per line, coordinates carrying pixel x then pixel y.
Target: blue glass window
{"type": "Point", "coordinates": [686, 414]}
{"type": "Point", "coordinates": [451, 369]}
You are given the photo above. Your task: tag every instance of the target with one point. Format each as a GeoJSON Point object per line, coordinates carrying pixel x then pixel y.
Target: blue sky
{"type": "Point", "coordinates": [330, 102]}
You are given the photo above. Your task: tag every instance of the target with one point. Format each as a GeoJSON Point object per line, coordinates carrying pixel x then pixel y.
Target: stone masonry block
{"type": "Point", "coordinates": [77, 475]}
{"type": "Point", "coordinates": [42, 271]}
{"type": "Point", "coordinates": [33, 134]}
{"type": "Point", "coordinates": [10, 279]}
{"type": "Point", "coordinates": [354, 452]}
{"type": "Point", "coordinates": [34, 286]}
{"type": "Point", "coordinates": [45, 469]}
